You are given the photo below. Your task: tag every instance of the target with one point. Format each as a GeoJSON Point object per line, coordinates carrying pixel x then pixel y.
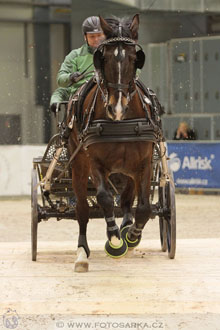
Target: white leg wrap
{"type": "Point", "coordinates": [81, 264]}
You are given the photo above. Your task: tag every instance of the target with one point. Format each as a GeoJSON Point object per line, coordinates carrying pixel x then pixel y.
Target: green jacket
{"type": "Point", "coordinates": [77, 60]}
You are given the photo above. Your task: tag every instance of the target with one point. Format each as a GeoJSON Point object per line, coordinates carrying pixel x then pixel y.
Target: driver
{"type": "Point", "coordinates": [78, 61]}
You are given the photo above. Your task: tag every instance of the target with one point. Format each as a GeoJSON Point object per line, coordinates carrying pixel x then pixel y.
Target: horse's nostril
{"type": "Point", "coordinates": [125, 108]}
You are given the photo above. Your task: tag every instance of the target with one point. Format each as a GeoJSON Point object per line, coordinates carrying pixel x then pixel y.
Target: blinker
{"type": "Point", "coordinates": [98, 55]}
{"type": "Point", "coordinates": [140, 59]}
{"type": "Point", "coordinates": [98, 59]}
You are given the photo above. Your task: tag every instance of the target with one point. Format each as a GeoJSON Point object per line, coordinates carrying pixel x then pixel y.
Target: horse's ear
{"type": "Point", "coordinates": [140, 59]}
{"type": "Point", "coordinates": [134, 27]}
{"type": "Point", "coordinates": [97, 60]}
{"type": "Point", "coordinates": [107, 30]}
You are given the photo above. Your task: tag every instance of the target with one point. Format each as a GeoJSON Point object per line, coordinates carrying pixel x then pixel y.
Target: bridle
{"type": "Point", "coordinates": [119, 87]}
{"type": "Point", "coordinates": [99, 65]}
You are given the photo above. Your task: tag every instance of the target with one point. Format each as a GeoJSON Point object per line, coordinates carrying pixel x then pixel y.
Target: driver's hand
{"type": "Point", "coordinates": [75, 77]}
{"type": "Point", "coordinates": [53, 107]}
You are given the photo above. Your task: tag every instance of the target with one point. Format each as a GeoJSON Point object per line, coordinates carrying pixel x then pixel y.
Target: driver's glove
{"type": "Point", "coordinates": [75, 77]}
{"type": "Point", "coordinates": [53, 107]}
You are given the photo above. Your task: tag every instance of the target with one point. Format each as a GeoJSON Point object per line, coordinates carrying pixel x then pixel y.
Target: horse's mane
{"type": "Point", "coordinates": [114, 22]}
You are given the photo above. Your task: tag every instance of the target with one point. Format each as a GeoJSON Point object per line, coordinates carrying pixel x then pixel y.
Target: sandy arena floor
{"type": "Point", "coordinates": [144, 288]}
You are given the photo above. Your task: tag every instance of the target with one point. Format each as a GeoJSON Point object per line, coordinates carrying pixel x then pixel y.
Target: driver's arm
{"type": "Point", "coordinates": [67, 68]}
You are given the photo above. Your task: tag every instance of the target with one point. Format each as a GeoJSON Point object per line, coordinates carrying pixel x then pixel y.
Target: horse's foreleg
{"type": "Point", "coordinates": [143, 209]}
{"type": "Point", "coordinates": [106, 201]}
{"type": "Point", "coordinates": [115, 246]}
{"type": "Point", "coordinates": [127, 199]}
{"type": "Point", "coordinates": [80, 173]}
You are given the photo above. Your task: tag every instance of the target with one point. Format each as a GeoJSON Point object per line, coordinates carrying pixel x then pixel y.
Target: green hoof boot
{"type": "Point", "coordinates": [124, 235]}
{"type": "Point", "coordinates": [116, 251]}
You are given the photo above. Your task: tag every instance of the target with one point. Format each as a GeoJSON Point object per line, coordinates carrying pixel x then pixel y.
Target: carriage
{"type": "Point", "coordinates": [117, 165]}
{"type": "Point", "coordinates": [56, 197]}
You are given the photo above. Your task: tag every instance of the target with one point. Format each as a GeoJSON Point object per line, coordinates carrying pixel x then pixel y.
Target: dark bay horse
{"type": "Point", "coordinates": [115, 104]}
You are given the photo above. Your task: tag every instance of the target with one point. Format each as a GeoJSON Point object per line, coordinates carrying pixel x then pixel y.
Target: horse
{"type": "Point", "coordinates": [114, 104]}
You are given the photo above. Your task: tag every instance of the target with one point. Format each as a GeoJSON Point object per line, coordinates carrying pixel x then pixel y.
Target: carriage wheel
{"type": "Point", "coordinates": [34, 214]}
{"type": "Point", "coordinates": [171, 218]}
{"type": "Point", "coordinates": [163, 234]}
{"type": "Point", "coordinates": [162, 221]}
{"type": "Point", "coordinates": [167, 223]}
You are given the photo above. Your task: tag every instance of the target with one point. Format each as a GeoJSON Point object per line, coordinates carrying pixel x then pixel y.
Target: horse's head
{"type": "Point", "coordinates": [116, 61]}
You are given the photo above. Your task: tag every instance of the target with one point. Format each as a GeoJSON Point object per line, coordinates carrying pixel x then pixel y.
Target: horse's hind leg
{"type": "Point", "coordinates": [80, 173]}
{"type": "Point", "coordinates": [127, 199]}
{"type": "Point", "coordinates": [115, 246]}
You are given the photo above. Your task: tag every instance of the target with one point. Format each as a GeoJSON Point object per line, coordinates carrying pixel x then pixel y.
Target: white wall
{"type": "Point", "coordinates": [15, 168]}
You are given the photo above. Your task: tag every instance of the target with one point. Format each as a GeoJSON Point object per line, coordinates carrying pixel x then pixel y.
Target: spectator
{"type": "Point", "coordinates": [184, 132]}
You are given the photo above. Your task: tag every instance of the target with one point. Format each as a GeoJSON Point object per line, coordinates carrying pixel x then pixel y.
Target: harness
{"type": "Point", "coordinates": [133, 130]}
{"type": "Point", "coordinates": [91, 131]}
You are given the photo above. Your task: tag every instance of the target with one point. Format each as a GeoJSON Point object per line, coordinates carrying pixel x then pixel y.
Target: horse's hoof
{"type": "Point", "coordinates": [124, 235]}
{"type": "Point", "coordinates": [81, 264]}
{"type": "Point", "coordinates": [81, 267]}
{"type": "Point", "coordinates": [116, 251]}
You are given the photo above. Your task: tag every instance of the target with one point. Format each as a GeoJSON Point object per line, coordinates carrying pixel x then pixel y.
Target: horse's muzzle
{"type": "Point", "coordinates": [115, 113]}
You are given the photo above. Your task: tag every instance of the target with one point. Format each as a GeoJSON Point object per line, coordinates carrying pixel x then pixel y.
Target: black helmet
{"type": "Point", "coordinates": [91, 25]}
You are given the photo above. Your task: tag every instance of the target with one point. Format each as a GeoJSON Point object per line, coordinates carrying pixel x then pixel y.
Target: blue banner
{"type": "Point", "coordinates": [195, 164]}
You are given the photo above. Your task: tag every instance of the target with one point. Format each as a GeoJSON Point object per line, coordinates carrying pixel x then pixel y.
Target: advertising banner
{"type": "Point", "coordinates": [195, 164]}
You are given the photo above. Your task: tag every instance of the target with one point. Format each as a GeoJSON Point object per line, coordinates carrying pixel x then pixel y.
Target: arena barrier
{"type": "Point", "coordinates": [15, 168]}
{"type": "Point", "coordinates": [194, 164]}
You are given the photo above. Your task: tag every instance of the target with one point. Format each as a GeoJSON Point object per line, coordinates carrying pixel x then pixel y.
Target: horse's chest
{"type": "Point", "coordinates": [118, 157]}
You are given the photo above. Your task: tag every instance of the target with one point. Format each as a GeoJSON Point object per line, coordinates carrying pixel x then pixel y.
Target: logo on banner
{"type": "Point", "coordinates": [190, 162]}
{"type": "Point", "coordinates": [174, 162]}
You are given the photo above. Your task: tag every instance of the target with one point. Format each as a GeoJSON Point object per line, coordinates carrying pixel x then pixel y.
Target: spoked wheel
{"type": "Point", "coordinates": [34, 214]}
{"type": "Point", "coordinates": [162, 221]}
{"type": "Point", "coordinates": [163, 234]}
{"type": "Point", "coordinates": [168, 221]}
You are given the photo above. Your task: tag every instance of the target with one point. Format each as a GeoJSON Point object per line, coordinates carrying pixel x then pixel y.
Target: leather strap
{"type": "Point", "coordinates": [133, 130]}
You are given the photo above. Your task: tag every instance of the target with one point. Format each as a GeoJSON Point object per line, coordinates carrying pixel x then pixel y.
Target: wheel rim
{"type": "Point", "coordinates": [162, 221]}
{"type": "Point", "coordinates": [171, 218]}
{"type": "Point", "coordinates": [163, 234]}
{"type": "Point", "coordinates": [167, 222]}
{"type": "Point", "coordinates": [34, 214]}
